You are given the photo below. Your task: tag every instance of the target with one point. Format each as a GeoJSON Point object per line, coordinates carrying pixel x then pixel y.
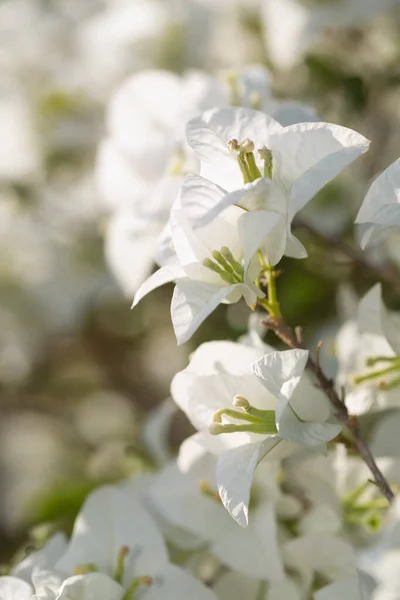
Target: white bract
{"type": "Point", "coordinates": [381, 207]}
{"type": "Point", "coordinates": [212, 264]}
{"type": "Point", "coordinates": [268, 168]}
{"type": "Point", "coordinates": [275, 411]}
{"type": "Point", "coordinates": [190, 501]}
{"type": "Point", "coordinates": [115, 536]}
{"type": "Point", "coordinates": [360, 587]}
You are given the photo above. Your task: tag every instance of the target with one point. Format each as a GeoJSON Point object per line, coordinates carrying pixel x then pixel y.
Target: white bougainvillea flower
{"type": "Point", "coordinates": [305, 20]}
{"type": "Point", "coordinates": [12, 588]}
{"type": "Point", "coordinates": [114, 535]}
{"type": "Point", "coordinates": [368, 351]}
{"type": "Point", "coordinates": [282, 167]}
{"type": "Point", "coordinates": [220, 375]}
{"type": "Point", "coordinates": [360, 587]}
{"type": "Point", "coordinates": [190, 501]}
{"type": "Point", "coordinates": [303, 412]}
{"type": "Point", "coordinates": [381, 207]}
{"type": "Point", "coordinates": [216, 263]}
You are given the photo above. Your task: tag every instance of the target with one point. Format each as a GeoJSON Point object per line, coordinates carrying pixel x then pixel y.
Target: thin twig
{"type": "Point", "coordinates": [287, 335]}
{"type": "Point", "coordinates": [386, 273]}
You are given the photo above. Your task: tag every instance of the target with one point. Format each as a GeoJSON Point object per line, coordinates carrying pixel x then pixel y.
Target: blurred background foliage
{"type": "Point", "coordinates": [80, 374]}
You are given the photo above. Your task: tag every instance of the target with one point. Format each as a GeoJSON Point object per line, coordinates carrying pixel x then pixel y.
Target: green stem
{"type": "Point", "coordinates": [374, 374]}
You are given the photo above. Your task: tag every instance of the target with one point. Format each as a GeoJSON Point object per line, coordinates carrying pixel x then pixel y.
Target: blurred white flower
{"type": "Point", "coordinates": [292, 26]}
{"type": "Point", "coordinates": [360, 587]}
{"type": "Point", "coordinates": [380, 209]}
{"type": "Point", "coordinates": [119, 538]}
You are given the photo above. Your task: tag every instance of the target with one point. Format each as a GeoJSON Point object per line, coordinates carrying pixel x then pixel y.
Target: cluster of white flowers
{"type": "Point", "coordinates": [286, 489]}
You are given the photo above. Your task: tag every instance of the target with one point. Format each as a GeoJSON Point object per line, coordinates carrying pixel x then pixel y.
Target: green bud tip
{"type": "Point", "coordinates": [241, 402]}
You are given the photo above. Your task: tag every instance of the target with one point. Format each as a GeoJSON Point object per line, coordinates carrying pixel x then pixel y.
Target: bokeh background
{"type": "Point", "coordinates": [84, 381]}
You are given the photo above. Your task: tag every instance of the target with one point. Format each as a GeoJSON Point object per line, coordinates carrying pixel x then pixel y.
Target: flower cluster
{"type": "Point", "coordinates": [285, 486]}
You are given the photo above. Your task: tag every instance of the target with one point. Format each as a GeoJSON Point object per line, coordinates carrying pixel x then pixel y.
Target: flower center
{"type": "Point", "coordinates": [225, 265]}
{"type": "Point", "coordinates": [390, 364]}
{"type": "Point", "coordinates": [247, 162]}
{"type": "Point", "coordinates": [209, 492]}
{"type": "Point", "coordinates": [118, 576]}
{"type": "Point", "coordinates": [255, 420]}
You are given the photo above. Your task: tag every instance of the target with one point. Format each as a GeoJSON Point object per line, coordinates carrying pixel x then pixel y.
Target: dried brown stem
{"type": "Point", "coordinates": [288, 336]}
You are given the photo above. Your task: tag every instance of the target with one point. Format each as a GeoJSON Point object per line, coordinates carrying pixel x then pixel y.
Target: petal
{"type": "Point", "coordinates": [174, 583]}
{"type": "Point", "coordinates": [12, 588]}
{"type": "Point", "coordinates": [374, 318]}
{"type": "Point", "coordinates": [306, 434]}
{"type": "Point", "coordinates": [351, 588]}
{"type": "Point", "coordinates": [129, 251]}
{"type": "Point", "coordinates": [198, 197]}
{"type": "Point", "coordinates": [328, 555]}
{"type": "Point", "coordinates": [254, 550]}
{"type": "Point", "coordinates": [384, 191]}
{"type": "Point", "coordinates": [294, 248]}
{"type": "Point", "coordinates": [166, 274]}
{"type": "Point", "coordinates": [235, 471]}
{"type": "Point", "coordinates": [220, 356]}
{"type": "Point", "coordinates": [178, 498]}
{"type": "Point", "coordinates": [262, 229]}
{"type": "Point", "coordinates": [110, 519]}
{"type": "Point", "coordinates": [192, 302]}
{"type": "Point", "coordinates": [275, 368]}
{"type": "Point", "coordinates": [43, 558]}
{"type": "Point", "coordinates": [308, 155]}
{"type": "Point", "coordinates": [94, 586]}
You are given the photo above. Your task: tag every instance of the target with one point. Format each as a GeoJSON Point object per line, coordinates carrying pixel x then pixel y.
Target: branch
{"type": "Point", "coordinates": [287, 335]}
{"type": "Point", "coordinates": [386, 273]}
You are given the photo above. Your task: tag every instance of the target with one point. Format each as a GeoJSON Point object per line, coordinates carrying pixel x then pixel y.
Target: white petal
{"type": "Point", "coordinates": [218, 356]}
{"type": "Point", "coordinates": [43, 558]}
{"type": "Point", "coordinates": [94, 586]}
{"type": "Point", "coordinates": [308, 155]}
{"type": "Point", "coordinates": [178, 498]}
{"type": "Point", "coordinates": [294, 248]}
{"type": "Point", "coordinates": [191, 304]}
{"type": "Point", "coordinates": [174, 583]}
{"type": "Point", "coordinates": [110, 519]}
{"type": "Point", "coordinates": [303, 433]}
{"type": "Point", "coordinates": [327, 555]}
{"type": "Point", "coordinates": [234, 586]}
{"type": "Point", "coordinates": [262, 229]}
{"type": "Point", "coordinates": [156, 430]}
{"type": "Point", "coordinates": [351, 588]}
{"type": "Point", "coordinates": [254, 550]}
{"type": "Point", "coordinates": [12, 588]}
{"type": "Point", "coordinates": [235, 471]}
{"type": "Point", "coordinates": [198, 197]}
{"type": "Point", "coordinates": [275, 368]}
{"type": "Point", "coordinates": [384, 191]}
{"type": "Point", "coordinates": [129, 250]}
{"type": "Point", "coordinates": [166, 274]}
